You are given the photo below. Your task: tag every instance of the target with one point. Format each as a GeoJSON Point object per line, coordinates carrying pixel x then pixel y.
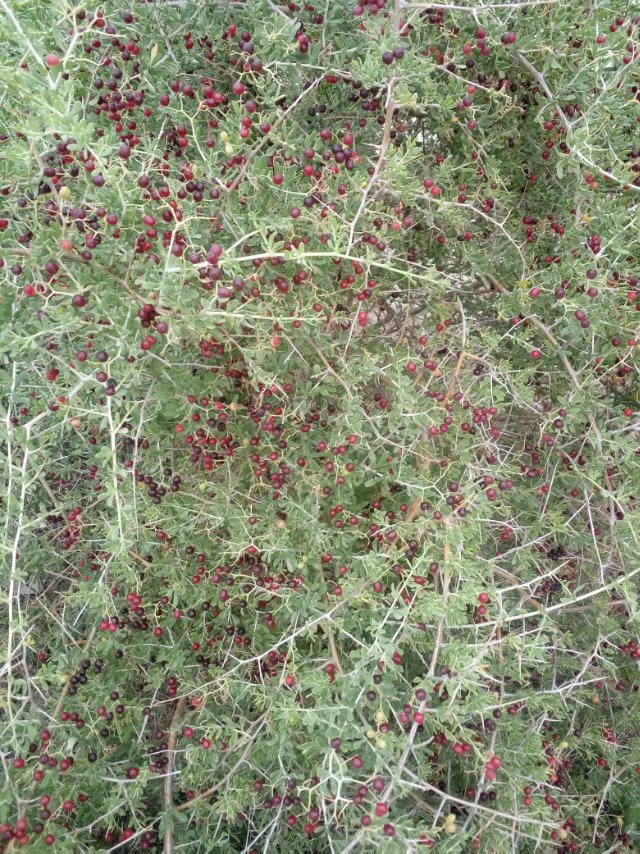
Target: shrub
{"type": "Point", "coordinates": [320, 353]}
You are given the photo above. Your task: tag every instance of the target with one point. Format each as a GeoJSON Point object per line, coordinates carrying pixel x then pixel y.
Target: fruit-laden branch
{"type": "Point", "coordinates": [384, 147]}
{"type": "Point", "coordinates": [568, 126]}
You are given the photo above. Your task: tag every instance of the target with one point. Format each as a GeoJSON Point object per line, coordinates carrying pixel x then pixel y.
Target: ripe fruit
{"type": "Point", "coordinates": [311, 430]}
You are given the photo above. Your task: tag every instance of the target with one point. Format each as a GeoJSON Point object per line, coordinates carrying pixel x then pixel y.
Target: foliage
{"type": "Point", "coordinates": [320, 414]}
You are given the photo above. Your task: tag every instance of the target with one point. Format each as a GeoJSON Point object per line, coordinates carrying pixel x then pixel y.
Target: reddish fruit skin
{"type": "Point", "coordinates": [275, 320]}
